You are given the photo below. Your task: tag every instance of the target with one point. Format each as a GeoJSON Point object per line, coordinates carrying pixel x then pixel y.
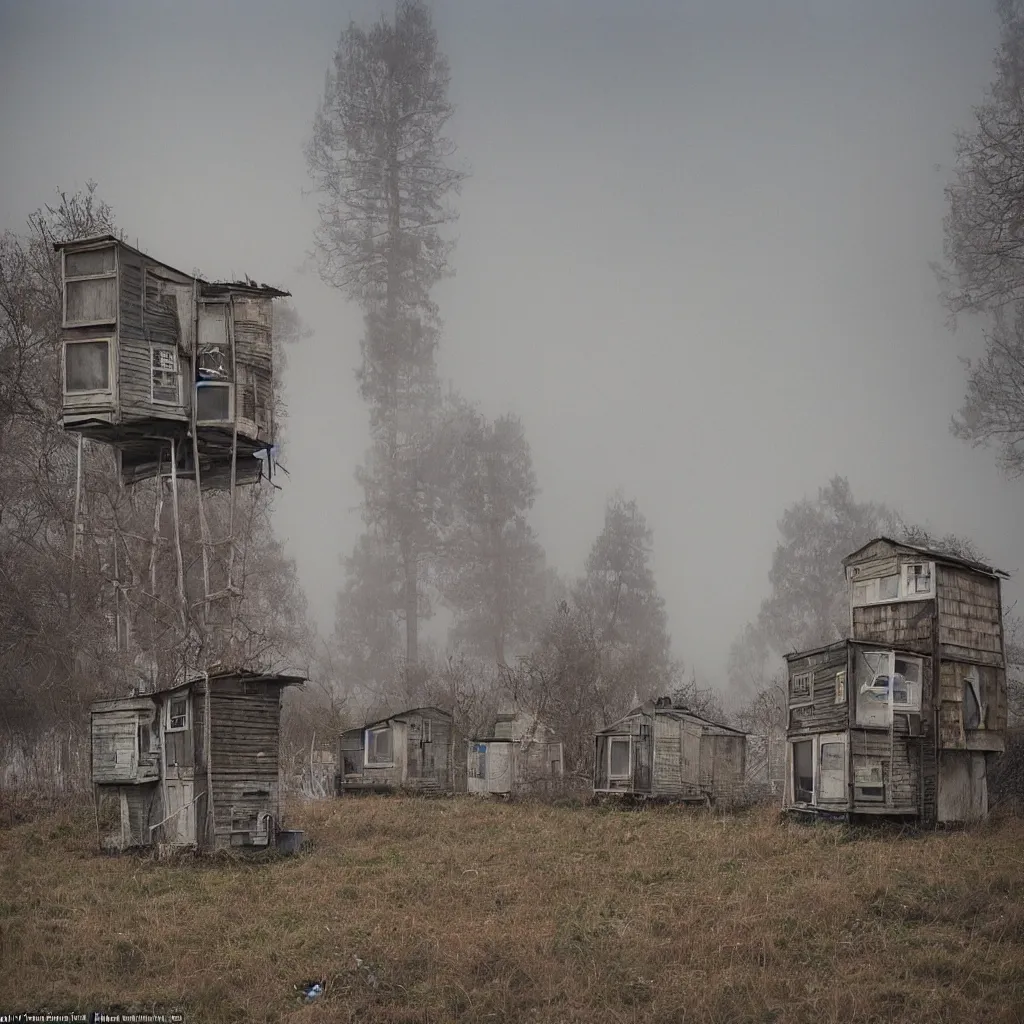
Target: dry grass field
{"type": "Point", "coordinates": [414, 910]}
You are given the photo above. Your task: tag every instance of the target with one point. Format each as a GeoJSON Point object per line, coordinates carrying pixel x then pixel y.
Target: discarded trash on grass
{"type": "Point", "coordinates": [310, 990]}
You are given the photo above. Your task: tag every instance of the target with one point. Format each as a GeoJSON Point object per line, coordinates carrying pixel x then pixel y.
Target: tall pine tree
{"type": "Point", "coordinates": [380, 160]}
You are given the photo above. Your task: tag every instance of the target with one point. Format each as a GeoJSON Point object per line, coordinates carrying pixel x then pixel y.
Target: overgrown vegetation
{"type": "Point", "coordinates": [444, 910]}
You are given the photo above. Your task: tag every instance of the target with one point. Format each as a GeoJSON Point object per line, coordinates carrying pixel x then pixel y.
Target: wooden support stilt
{"type": "Point", "coordinates": [177, 539]}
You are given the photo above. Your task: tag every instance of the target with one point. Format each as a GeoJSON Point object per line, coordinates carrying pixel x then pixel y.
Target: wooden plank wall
{"type": "Point", "coordinates": [906, 625]}
{"type": "Point", "coordinates": [823, 715]}
{"type": "Point", "coordinates": [970, 617]}
{"type": "Point", "coordinates": [245, 754]}
{"type": "Point", "coordinates": [114, 736]}
{"type": "Point", "coordinates": [671, 771]}
{"type": "Point", "coordinates": [901, 766]}
{"type": "Point", "coordinates": [253, 320]}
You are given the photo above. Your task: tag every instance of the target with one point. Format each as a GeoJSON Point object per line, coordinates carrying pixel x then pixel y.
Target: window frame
{"type": "Point", "coordinates": [628, 740]}
{"type": "Point", "coordinates": [169, 725]}
{"type": "Point", "coordinates": [105, 276]}
{"type": "Point", "coordinates": [367, 733]}
{"type": "Point", "coordinates": [801, 700]}
{"type": "Point", "coordinates": [229, 385]}
{"type": "Point", "coordinates": [811, 741]}
{"type": "Point", "coordinates": [841, 690]}
{"type": "Point", "coordinates": [903, 580]}
{"type": "Point", "coordinates": [154, 347]}
{"type": "Point", "coordinates": [109, 389]}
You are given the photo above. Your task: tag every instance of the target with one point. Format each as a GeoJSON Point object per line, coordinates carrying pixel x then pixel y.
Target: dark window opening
{"type": "Point", "coordinates": [803, 771]}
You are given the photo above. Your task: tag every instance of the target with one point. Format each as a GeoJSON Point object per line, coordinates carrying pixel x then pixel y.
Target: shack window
{"type": "Point", "coordinates": [426, 730]}
{"type": "Point", "coordinates": [90, 287]}
{"type": "Point", "coordinates": [917, 578]}
{"type": "Point", "coordinates": [164, 364]}
{"type": "Point", "coordinates": [906, 683]}
{"type": "Point", "coordinates": [618, 758]}
{"type": "Point", "coordinates": [87, 366]}
{"type": "Point", "coordinates": [177, 714]}
{"type": "Point", "coordinates": [214, 403]}
{"type": "Point", "coordinates": [801, 686]}
{"type": "Point", "coordinates": [841, 687]}
{"type": "Point", "coordinates": [803, 772]}
{"type": "Point", "coordinates": [378, 746]}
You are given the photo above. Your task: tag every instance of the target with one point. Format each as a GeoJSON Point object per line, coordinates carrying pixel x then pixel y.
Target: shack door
{"type": "Point", "coordinates": [642, 760]}
{"type": "Point", "coordinates": [180, 827]}
{"type": "Point", "coordinates": [832, 768]}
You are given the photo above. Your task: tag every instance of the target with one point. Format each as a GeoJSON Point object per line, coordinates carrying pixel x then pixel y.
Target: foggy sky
{"type": "Point", "coordinates": [693, 252]}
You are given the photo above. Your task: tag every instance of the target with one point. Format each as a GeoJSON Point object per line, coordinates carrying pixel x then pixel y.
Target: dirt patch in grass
{"type": "Point", "coordinates": [466, 910]}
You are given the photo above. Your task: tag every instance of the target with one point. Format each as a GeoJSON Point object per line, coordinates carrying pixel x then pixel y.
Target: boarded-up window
{"type": "Point", "coordinates": [378, 746]}
{"type": "Point", "coordinates": [165, 374]}
{"type": "Point", "coordinates": [87, 366]}
{"type": "Point", "coordinates": [618, 759]}
{"type": "Point", "coordinates": [90, 287]}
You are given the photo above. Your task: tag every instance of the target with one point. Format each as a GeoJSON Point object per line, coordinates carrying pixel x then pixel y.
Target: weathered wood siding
{"type": "Point", "coordinates": [970, 616]}
{"type": "Point", "coordinates": [150, 312]}
{"type": "Point", "coordinates": [878, 561]}
{"type": "Point", "coordinates": [140, 809]}
{"type": "Point", "coordinates": [722, 765]}
{"type": "Point", "coordinates": [252, 319]}
{"type": "Point", "coordinates": [904, 625]}
{"type": "Point", "coordinates": [901, 769]}
{"type": "Point", "coordinates": [953, 731]}
{"type": "Point", "coordinates": [245, 720]}
{"type": "Point", "coordinates": [676, 757]}
{"type": "Point", "coordinates": [428, 761]}
{"type": "Point", "coordinates": [819, 712]}
{"type": "Point", "coordinates": [117, 756]}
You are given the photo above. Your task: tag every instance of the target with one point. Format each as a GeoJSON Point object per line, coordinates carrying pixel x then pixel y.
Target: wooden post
{"type": "Point", "coordinates": [157, 516]}
{"type": "Point", "coordinates": [211, 821]}
{"type": "Point", "coordinates": [177, 538]}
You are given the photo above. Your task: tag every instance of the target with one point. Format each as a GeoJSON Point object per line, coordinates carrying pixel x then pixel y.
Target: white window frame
{"type": "Point", "coordinates": [840, 739]}
{"type": "Point", "coordinates": [367, 763]}
{"type": "Point", "coordinates": [841, 686]}
{"type": "Point", "coordinates": [628, 740]}
{"type": "Point", "coordinates": [155, 347]}
{"type": "Point", "coordinates": [107, 275]}
{"type": "Point", "coordinates": [168, 726]}
{"type": "Point", "coordinates": [109, 389]}
{"type": "Point", "coordinates": [903, 586]}
{"type": "Point", "coordinates": [231, 400]}
{"type": "Point", "coordinates": [801, 700]}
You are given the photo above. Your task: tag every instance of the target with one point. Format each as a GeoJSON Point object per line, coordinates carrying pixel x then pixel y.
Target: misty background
{"type": "Point", "coordinates": [693, 251]}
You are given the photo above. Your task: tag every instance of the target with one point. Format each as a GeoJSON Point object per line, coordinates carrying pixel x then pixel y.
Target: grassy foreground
{"type": "Point", "coordinates": [466, 910]}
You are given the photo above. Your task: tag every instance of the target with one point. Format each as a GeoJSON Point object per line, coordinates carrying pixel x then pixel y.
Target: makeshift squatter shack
{"type": "Point", "coordinates": [518, 755]}
{"type": "Point", "coordinates": [195, 764]}
{"type": "Point", "coordinates": [665, 750]}
{"type": "Point", "coordinates": [154, 357]}
{"type": "Point", "coordinates": [410, 750]}
{"type": "Point", "coordinates": [904, 718]}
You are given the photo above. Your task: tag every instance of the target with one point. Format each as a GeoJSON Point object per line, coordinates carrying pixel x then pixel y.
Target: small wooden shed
{"type": "Point", "coordinates": [665, 750]}
{"type": "Point", "coordinates": [153, 355]}
{"type": "Point", "coordinates": [195, 764]}
{"type": "Point", "coordinates": [410, 750]}
{"type": "Point", "coordinates": [520, 754]}
{"type": "Point", "coordinates": [904, 719]}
